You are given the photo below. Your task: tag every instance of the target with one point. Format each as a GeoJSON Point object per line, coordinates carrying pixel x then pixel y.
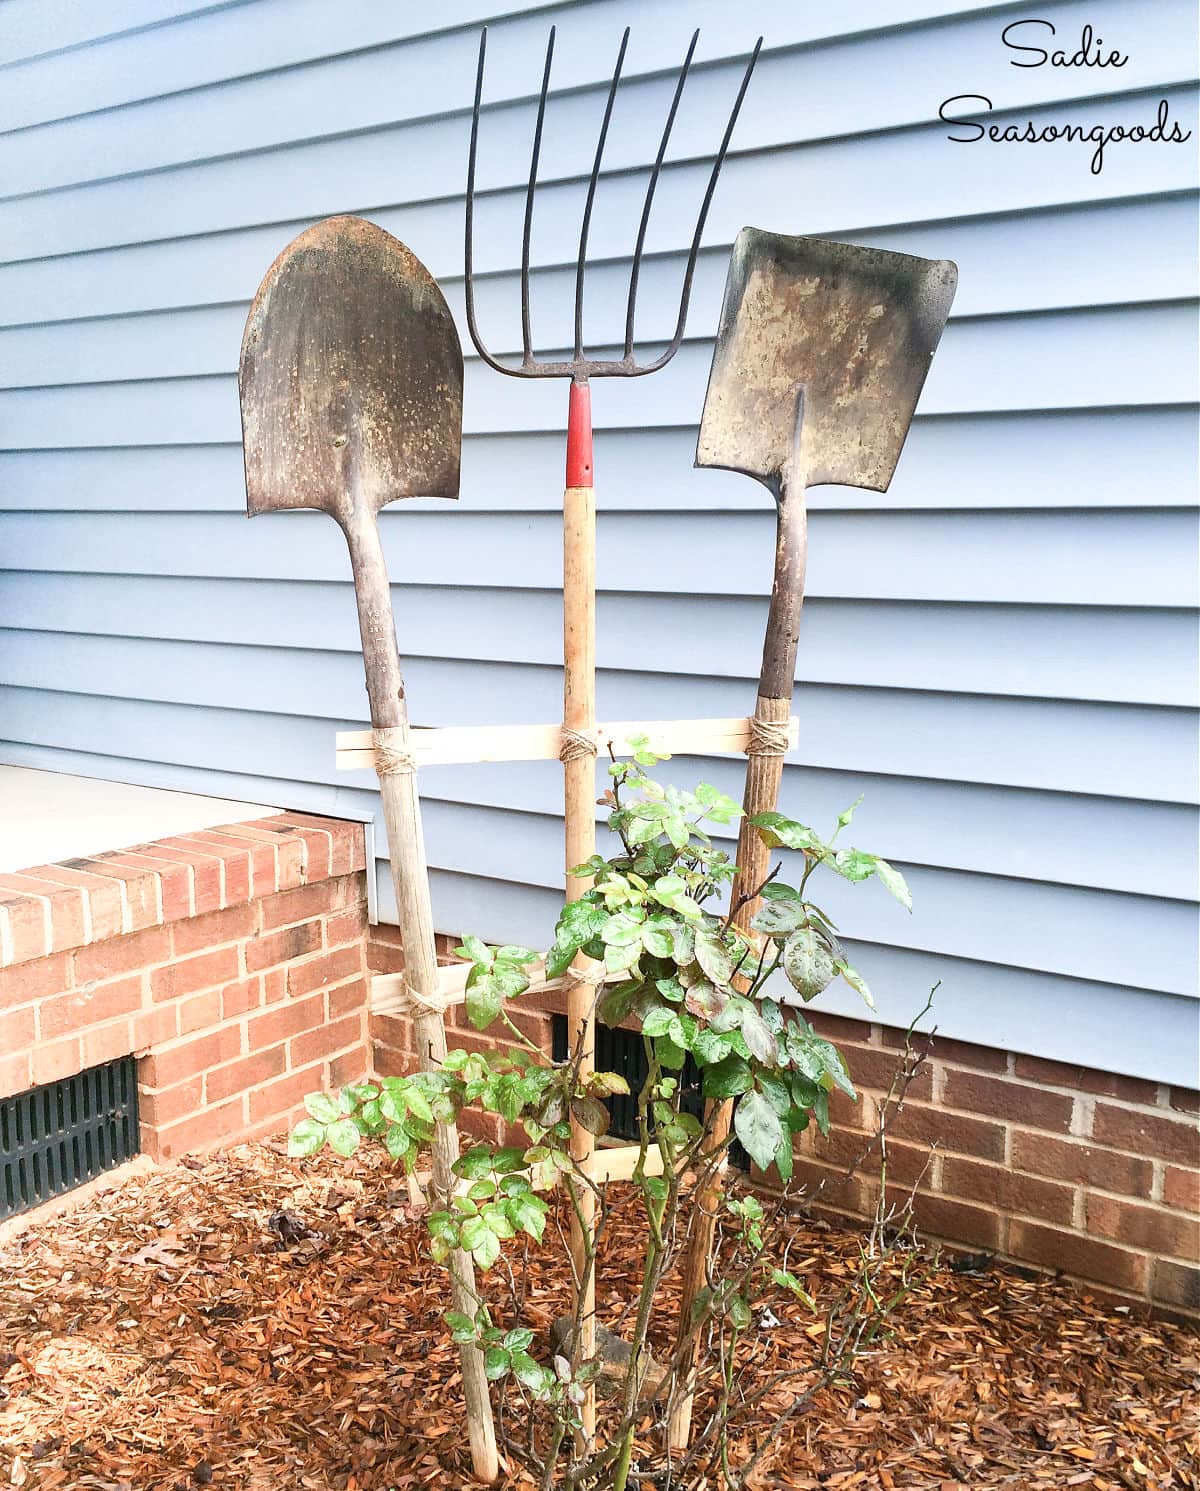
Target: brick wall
{"type": "Point", "coordinates": [1085, 1173]}
{"type": "Point", "coordinates": [230, 961]}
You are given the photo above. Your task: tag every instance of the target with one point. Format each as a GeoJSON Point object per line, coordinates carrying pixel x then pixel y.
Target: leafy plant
{"type": "Point", "coordinates": [698, 986]}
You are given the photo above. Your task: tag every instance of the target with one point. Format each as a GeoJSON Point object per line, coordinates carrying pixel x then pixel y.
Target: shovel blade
{"type": "Point", "coordinates": [350, 376]}
{"type": "Point", "coordinates": [821, 355]}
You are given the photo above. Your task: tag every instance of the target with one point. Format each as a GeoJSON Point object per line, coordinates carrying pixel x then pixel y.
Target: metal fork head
{"type": "Point", "coordinates": [580, 367]}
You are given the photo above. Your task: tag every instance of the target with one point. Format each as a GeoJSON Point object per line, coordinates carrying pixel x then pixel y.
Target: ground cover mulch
{"type": "Point", "coordinates": [253, 1322]}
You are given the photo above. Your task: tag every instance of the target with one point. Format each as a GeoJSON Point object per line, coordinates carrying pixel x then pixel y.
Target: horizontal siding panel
{"type": "Point", "coordinates": [1117, 656]}
{"type": "Point", "coordinates": [834, 179]}
{"type": "Point", "coordinates": [1010, 262]}
{"type": "Point", "coordinates": [1142, 558]}
{"type": "Point", "coordinates": [290, 33]}
{"type": "Point", "coordinates": [1146, 753]}
{"type": "Point", "coordinates": [1111, 458]}
{"type": "Point", "coordinates": [810, 94]}
{"type": "Point", "coordinates": [29, 28]}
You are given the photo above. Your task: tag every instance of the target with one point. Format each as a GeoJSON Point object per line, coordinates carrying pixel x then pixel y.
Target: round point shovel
{"type": "Point", "coordinates": [351, 388]}
{"type": "Point", "coordinates": [821, 354]}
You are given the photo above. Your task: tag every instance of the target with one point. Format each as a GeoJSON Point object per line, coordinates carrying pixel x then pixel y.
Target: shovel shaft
{"type": "Point", "coordinates": [764, 773]}
{"type": "Point", "coordinates": [410, 880]}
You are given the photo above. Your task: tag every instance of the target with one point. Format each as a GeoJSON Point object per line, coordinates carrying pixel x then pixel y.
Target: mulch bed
{"type": "Point", "coordinates": [253, 1322]}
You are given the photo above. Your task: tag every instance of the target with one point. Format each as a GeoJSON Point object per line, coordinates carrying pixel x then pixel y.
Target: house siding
{"type": "Point", "coordinates": [1000, 652]}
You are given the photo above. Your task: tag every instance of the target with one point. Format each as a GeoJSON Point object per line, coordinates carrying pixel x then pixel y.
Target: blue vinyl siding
{"type": "Point", "coordinates": [1000, 652]}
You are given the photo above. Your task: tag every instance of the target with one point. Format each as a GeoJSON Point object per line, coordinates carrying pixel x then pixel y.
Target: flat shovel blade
{"type": "Point", "coordinates": [821, 355]}
{"type": "Point", "coordinates": [351, 376]}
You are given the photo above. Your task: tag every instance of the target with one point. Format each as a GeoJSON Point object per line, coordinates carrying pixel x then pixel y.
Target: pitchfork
{"type": "Point", "coordinates": [579, 543]}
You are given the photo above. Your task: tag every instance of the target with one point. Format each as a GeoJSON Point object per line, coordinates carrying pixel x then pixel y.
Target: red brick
{"type": "Point", "coordinates": [237, 998]}
{"type": "Point", "coordinates": [155, 1027]}
{"type": "Point", "coordinates": [107, 1042]}
{"type": "Point", "coordinates": [318, 850]}
{"type": "Point", "coordinates": [288, 1019]}
{"type": "Point", "coordinates": [1084, 1079]}
{"type": "Point", "coordinates": [1081, 1163]}
{"type": "Point", "coordinates": [106, 904]}
{"type": "Point", "coordinates": [90, 1005]}
{"type": "Point", "coordinates": [1073, 1253]}
{"type": "Point", "coordinates": [142, 894]}
{"type": "Point", "coordinates": [28, 926]}
{"type": "Point", "coordinates": [397, 1032]}
{"type": "Point", "coordinates": [192, 974]}
{"type": "Point", "coordinates": [329, 968]}
{"type": "Point", "coordinates": [199, 1011]}
{"type": "Point", "coordinates": [347, 998]}
{"type": "Point", "coordinates": [203, 1130]}
{"type": "Point", "coordinates": [66, 905]}
{"type": "Point", "coordinates": [346, 926]}
{"type": "Point", "coordinates": [51, 1060]}
{"type": "Point", "coordinates": [14, 1073]}
{"type": "Point", "coordinates": [954, 1220]}
{"type": "Point", "coordinates": [826, 1187]}
{"type": "Point", "coordinates": [233, 924]}
{"type": "Point", "coordinates": [1176, 1284]}
{"type": "Point", "coordinates": [926, 1124]}
{"type": "Point", "coordinates": [1185, 1100]}
{"type": "Point", "coordinates": [179, 1061]}
{"type": "Point", "coordinates": [274, 985]}
{"type": "Point", "coordinates": [1007, 1190]}
{"type": "Point", "coordinates": [286, 1095]}
{"type": "Point", "coordinates": [288, 851]}
{"type": "Point", "coordinates": [1181, 1189]}
{"type": "Point", "coordinates": [959, 1053]}
{"type": "Point", "coordinates": [122, 955]}
{"type": "Point", "coordinates": [18, 1029]}
{"type": "Point", "coordinates": [249, 869]}
{"type": "Point", "coordinates": [872, 1067]}
{"type": "Point", "coordinates": [480, 1125]}
{"type": "Point", "coordinates": [1010, 1100]}
{"type": "Point", "coordinates": [306, 901]}
{"type": "Point", "coordinates": [350, 1066]}
{"type": "Point", "coordinates": [36, 980]}
{"type": "Point", "coordinates": [168, 1105]}
{"type": "Point", "coordinates": [391, 1062]}
{"type": "Point", "coordinates": [838, 1028]}
{"type": "Point", "coordinates": [283, 946]}
{"type": "Point", "coordinates": [325, 1040]}
{"type": "Point", "coordinates": [534, 1025]}
{"type": "Point", "coordinates": [384, 955]}
{"type": "Point", "coordinates": [845, 1147]}
{"type": "Point", "coordinates": [1159, 1136]}
{"type": "Point", "coordinates": [1143, 1226]}
{"type": "Point", "coordinates": [347, 840]}
{"type": "Point", "coordinates": [174, 882]}
{"type": "Point", "coordinates": [204, 865]}
{"type": "Point", "coordinates": [250, 1071]}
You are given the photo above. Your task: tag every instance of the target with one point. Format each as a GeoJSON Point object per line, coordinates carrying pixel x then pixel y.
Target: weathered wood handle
{"type": "Point", "coordinates": [410, 880]}
{"type": "Point", "coordinates": [764, 774]}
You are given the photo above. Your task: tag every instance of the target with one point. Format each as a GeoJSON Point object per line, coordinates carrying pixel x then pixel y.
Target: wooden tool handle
{"type": "Point", "coordinates": [579, 793]}
{"type": "Point", "coordinates": [764, 774]}
{"type": "Point", "coordinates": [410, 880]}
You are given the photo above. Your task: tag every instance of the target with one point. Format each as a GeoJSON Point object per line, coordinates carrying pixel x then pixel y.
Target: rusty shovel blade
{"type": "Point", "coordinates": [351, 377]}
{"type": "Point", "coordinates": [821, 355]}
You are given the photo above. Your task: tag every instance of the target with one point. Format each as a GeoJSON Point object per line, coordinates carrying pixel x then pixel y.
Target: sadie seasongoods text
{"type": "Point", "coordinates": [1034, 40]}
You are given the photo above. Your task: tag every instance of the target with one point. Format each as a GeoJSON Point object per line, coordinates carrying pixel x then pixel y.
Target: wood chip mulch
{"type": "Point", "coordinates": [253, 1322]}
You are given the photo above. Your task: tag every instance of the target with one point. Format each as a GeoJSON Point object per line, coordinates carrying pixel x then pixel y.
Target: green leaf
{"type": "Point", "coordinates": [511, 953]}
{"type": "Point", "coordinates": [397, 1142]}
{"type": "Point", "coordinates": [496, 1362]}
{"type": "Point", "coordinates": [343, 1137]}
{"type": "Point", "coordinates": [590, 1115]}
{"type": "Point", "coordinates": [486, 1250]}
{"type": "Point", "coordinates": [657, 1021]}
{"type": "Point", "coordinates": [712, 956]}
{"type": "Point", "coordinates": [518, 1340]}
{"type": "Point", "coordinates": [485, 999]}
{"type": "Point", "coordinates": [709, 1048]}
{"type": "Point", "coordinates": [820, 1111]}
{"type": "Point", "coordinates": [322, 1107]}
{"type": "Point", "coordinates": [856, 982]}
{"type": "Point", "coordinates": [529, 1214]}
{"type": "Point", "coordinates": [775, 830]}
{"type": "Point", "coordinates": [778, 918]}
{"type": "Point", "coordinates": [892, 878]}
{"type": "Point", "coordinates": [789, 1281]}
{"type": "Point", "coordinates": [531, 1374]}
{"type": "Point", "coordinates": [785, 1159]}
{"type": "Point", "coordinates": [845, 816]}
{"type": "Point", "coordinates": [670, 1055]}
{"type": "Point", "coordinates": [306, 1138]}
{"type": "Point", "coordinates": [758, 1036]}
{"type": "Point", "coordinates": [418, 1104]}
{"type": "Point", "coordinates": [477, 951]}
{"type": "Point", "coordinates": [855, 864]}
{"type": "Point", "coordinates": [758, 1128]}
{"type": "Point", "coordinates": [728, 1078]}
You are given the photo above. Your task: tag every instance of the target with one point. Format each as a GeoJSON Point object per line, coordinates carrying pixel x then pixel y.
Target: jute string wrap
{"type": "Point", "coordinates": [411, 1002]}
{"type": "Point", "coordinates": [392, 754]}
{"type": "Point", "coordinates": [768, 737]}
{"type": "Point", "coordinates": [576, 743]}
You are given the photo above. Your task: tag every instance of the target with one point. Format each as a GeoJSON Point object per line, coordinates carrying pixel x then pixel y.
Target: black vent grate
{"type": "Point", "coordinates": [54, 1138]}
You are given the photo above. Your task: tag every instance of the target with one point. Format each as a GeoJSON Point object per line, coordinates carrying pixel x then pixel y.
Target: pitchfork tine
{"type": "Point", "coordinates": [526, 335]}
{"type": "Point", "coordinates": [591, 195]}
{"type": "Point", "coordinates": [686, 296]}
{"type": "Point", "coordinates": [642, 226]}
{"type": "Point", "coordinates": [468, 245]}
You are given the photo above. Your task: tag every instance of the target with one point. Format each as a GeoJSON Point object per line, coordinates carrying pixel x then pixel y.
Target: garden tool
{"type": "Point", "coordinates": [579, 544]}
{"type": "Point", "coordinates": [351, 390]}
{"type": "Point", "coordinates": [821, 354]}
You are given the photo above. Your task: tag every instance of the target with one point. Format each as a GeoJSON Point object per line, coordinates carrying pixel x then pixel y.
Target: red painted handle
{"type": "Point", "coordinates": [579, 436]}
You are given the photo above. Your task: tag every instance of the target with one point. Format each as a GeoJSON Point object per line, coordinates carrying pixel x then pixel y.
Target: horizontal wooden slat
{"type": "Point", "coordinates": [458, 744]}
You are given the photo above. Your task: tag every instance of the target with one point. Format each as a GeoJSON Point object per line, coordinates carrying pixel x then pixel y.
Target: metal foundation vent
{"type": "Point", "coordinates": [54, 1138]}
